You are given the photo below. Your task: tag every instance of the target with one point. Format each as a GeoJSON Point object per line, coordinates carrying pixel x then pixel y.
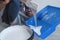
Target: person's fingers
{"type": "Point", "coordinates": [30, 14]}
{"type": "Point", "coordinates": [7, 1]}
{"type": "Point", "coordinates": [2, 4]}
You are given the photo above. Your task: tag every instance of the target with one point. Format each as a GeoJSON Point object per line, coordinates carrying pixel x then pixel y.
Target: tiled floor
{"type": "Point", "coordinates": [2, 26]}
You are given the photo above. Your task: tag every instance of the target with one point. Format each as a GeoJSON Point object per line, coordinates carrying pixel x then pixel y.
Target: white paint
{"type": "Point", "coordinates": [15, 33]}
{"type": "Point", "coordinates": [36, 29]}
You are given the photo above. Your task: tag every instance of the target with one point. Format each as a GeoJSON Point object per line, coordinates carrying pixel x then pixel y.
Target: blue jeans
{"type": "Point", "coordinates": [18, 19]}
